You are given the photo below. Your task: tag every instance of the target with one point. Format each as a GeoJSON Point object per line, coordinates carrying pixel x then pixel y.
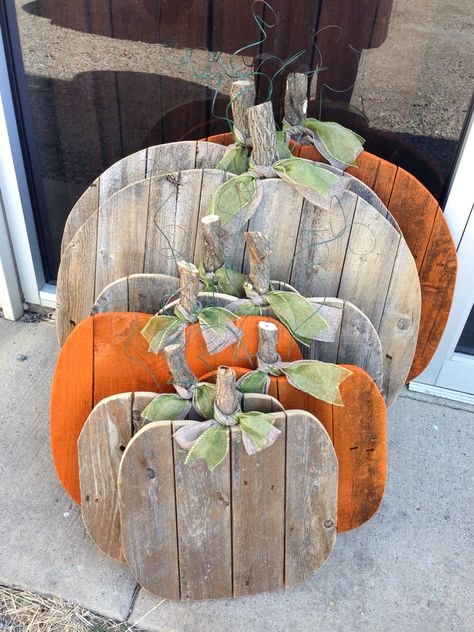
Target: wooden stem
{"type": "Point", "coordinates": [182, 374]}
{"type": "Point", "coordinates": [242, 94]}
{"type": "Point", "coordinates": [213, 243]}
{"type": "Point", "coordinates": [188, 285]}
{"type": "Point", "coordinates": [267, 342]}
{"type": "Point", "coordinates": [258, 245]}
{"type": "Point", "coordinates": [296, 101]}
{"type": "Point", "coordinates": [227, 396]}
{"type": "Point", "coordinates": [262, 134]}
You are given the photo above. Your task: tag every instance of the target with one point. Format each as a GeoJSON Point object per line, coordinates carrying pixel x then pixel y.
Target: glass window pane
{"type": "Point", "coordinates": [106, 78]}
{"type": "Point", "coordinates": [466, 341]}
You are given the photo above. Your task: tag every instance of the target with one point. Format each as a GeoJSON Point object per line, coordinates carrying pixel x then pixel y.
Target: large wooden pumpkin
{"type": "Point", "coordinates": [106, 354]}
{"type": "Point", "coordinates": [256, 523]}
{"type": "Point", "coordinates": [425, 230]}
{"type": "Point", "coordinates": [101, 444]}
{"type": "Point", "coordinates": [358, 432]}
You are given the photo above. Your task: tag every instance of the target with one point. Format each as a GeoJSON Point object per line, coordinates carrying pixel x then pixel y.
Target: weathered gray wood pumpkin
{"type": "Point", "coordinates": [255, 523]}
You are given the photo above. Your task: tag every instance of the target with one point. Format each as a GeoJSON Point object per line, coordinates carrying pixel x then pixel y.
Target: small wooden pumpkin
{"type": "Point", "coordinates": [107, 354]}
{"type": "Point", "coordinates": [357, 429]}
{"type": "Point", "coordinates": [255, 523]}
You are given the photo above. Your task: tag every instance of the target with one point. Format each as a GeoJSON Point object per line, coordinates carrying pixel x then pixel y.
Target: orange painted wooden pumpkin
{"type": "Point", "coordinates": [426, 232]}
{"type": "Point", "coordinates": [106, 354]}
{"type": "Point", "coordinates": [358, 432]}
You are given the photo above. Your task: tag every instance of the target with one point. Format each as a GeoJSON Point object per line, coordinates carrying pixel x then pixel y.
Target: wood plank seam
{"type": "Point", "coordinates": [198, 216]}
{"type": "Point", "coordinates": [173, 454]}
{"type": "Point", "coordinates": [290, 271]}
{"type": "Point", "coordinates": [347, 245]}
{"type": "Point", "coordinates": [285, 438]}
{"type": "Point", "coordinates": [146, 227]}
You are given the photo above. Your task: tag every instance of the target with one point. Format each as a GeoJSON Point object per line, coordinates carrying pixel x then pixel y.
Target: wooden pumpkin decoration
{"type": "Point", "coordinates": [107, 354]}
{"type": "Point", "coordinates": [357, 430]}
{"type": "Point", "coordinates": [146, 163]}
{"type": "Point", "coordinates": [255, 523]}
{"type": "Point", "coordinates": [422, 223]}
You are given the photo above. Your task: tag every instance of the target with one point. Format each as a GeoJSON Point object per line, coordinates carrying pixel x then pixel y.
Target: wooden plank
{"type": "Point", "coordinates": [359, 436]}
{"type": "Point", "coordinates": [258, 489]}
{"type": "Point", "coordinates": [171, 157]}
{"type": "Point", "coordinates": [71, 403]}
{"type": "Point", "coordinates": [101, 444]}
{"type": "Point", "coordinates": [113, 298]}
{"type": "Point", "coordinates": [148, 293]}
{"type": "Point", "coordinates": [203, 510]}
{"type": "Point", "coordinates": [145, 293]}
{"type": "Point", "coordinates": [399, 325]}
{"type": "Point", "coordinates": [208, 155]}
{"type": "Point", "coordinates": [279, 200]}
{"type": "Point", "coordinates": [327, 351]}
{"type": "Point", "coordinates": [360, 344]}
{"type": "Point", "coordinates": [76, 286]}
{"type": "Point", "coordinates": [123, 173]}
{"type": "Point", "coordinates": [211, 181]}
{"type": "Point", "coordinates": [148, 510]}
{"type": "Point", "coordinates": [311, 497]}
{"type": "Point", "coordinates": [369, 261]}
{"type": "Point", "coordinates": [122, 225]}
{"type": "Point", "coordinates": [323, 238]}
{"type": "Point", "coordinates": [172, 220]}
{"type": "Point", "coordinates": [85, 206]}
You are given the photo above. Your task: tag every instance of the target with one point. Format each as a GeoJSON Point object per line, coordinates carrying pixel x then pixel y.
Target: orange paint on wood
{"type": "Point", "coordinates": [106, 355]}
{"type": "Point", "coordinates": [425, 230]}
{"type": "Point", "coordinates": [358, 432]}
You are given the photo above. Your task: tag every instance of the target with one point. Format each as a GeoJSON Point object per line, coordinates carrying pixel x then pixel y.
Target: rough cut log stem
{"type": "Point", "coordinates": [242, 95]}
{"type": "Point", "coordinates": [263, 134]}
{"type": "Point", "coordinates": [188, 285]}
{"type": "Point", "coordinates": [296, 102]}
{"type": "Point", "coordinates": [267, 342]}
{"type": "Point", "coordinates": [182, 374]}
{"type": "Point", "coordinates": [213, 243]}
{"type": "Point", "coordinates": [227, 396]}
{"type": "Point", "coordinates": [258, 245]}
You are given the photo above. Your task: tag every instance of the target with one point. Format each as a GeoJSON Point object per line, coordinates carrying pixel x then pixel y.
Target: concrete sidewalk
{"type": "Point", "coordinates": [410, 568]}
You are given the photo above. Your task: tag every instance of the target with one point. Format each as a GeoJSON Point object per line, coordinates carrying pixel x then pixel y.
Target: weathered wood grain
{"type": "Point", "coordinates": [148, 510]}
{"type": "Point", "coordinates": [311, 497]}
{"type": "Point", "coordinates": [203, 510]}
{"type": "Point", "coordinates": [102, 441]}
{"type": "Point", "coordinates": [258, 489]}
{"type": "Point", "coordinates": [76, 278]}
{"type": "Point", "coordinates": [85, 206]}
{"type": "Point", "coordinates": [121, 234]}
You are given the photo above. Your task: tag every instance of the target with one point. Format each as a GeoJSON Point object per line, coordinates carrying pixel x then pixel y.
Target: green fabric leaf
{"type": "Point", "coordinates": [203, 399]}
{"type": "Point", "coordinates": [218, 329]}
{"type": "Point", "coordinates": [319, 379]}
{"type": "Point", "coordinates": [253, 382]}
{"type": "Point", "coordinates": [208, 284]}
{"type": "Point", "coordinates": [257, 426]}
{"type": "Point", "coordinates": [298, 314]}
{"type": "Point", "coordinates": [247, 308]}
{"type": "Point", "coordinates": [158, 330]}
{"type": "Point", "coordinates": [212, 446]}
{"type": "Point", "coordinates": [306, 174]}
{"type": "Point", "coordinates": [233, 201]}
{"type": "Point", "coordinates": [231, 282]}
{"type": "Point", "coordinates": [235, 160]}
{"type": "Point", "coordinates": [341, 143]}
{"type": "Point", "coordinates": [166, 406]}
{"type": "Point", "coordinates": [283, 151]}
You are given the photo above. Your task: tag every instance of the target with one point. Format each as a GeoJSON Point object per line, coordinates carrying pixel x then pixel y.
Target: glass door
{"type": "Point", "coordinates": [101, 79]}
